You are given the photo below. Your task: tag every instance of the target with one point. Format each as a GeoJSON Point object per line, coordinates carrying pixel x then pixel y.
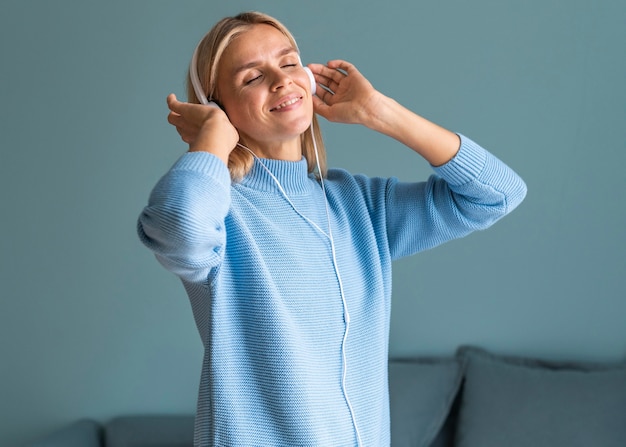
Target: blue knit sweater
{"type": "Point", "coordinates": [267, 298]}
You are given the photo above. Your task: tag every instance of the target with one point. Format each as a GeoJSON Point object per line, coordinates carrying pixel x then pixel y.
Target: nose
{"type": "Point", "coordinates": [280, 79]}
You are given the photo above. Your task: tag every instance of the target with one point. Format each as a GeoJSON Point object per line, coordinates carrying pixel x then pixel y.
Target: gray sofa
{"type": "Point", "coordinates": [474, 399]}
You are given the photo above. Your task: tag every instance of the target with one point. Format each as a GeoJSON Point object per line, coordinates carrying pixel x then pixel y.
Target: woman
{"type": "Point", "coordinates": [289, 274]}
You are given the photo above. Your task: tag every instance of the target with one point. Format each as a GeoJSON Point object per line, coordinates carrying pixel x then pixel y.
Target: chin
{"type": "Point", "coordinates": [295, 128]}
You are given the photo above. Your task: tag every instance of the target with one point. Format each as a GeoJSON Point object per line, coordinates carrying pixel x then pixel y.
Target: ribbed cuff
{"type": "Point", "coordinates": [206, 164]}
{"type": "Point", "coordinates": [466, 165]}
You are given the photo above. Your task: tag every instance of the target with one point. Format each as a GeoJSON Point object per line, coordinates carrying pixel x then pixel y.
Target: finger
{"type": "Point", "coordinates": [336, 76]}
{"type": "Point", "coordinates": [186, 137]}
{"type": "Point", "coordinates": [320, 107]}
{"type": "Point", "coordinates": [341, 66]}
{"type": "Point", "coordinates": [173, 118]}
{"type": "Point", "coordinates": [323, 72]}
{"type": "Point", "coordinates": [331, 78]}
{"type": "Point", "coordinates": [333, 85]}
{"type": "Point", "coordinates": [324, 94]}
{"type": "Point", "coordinates": [171, 98]}
{"type": "Point", "coordinates": [186, 133]}
{"type": "Point", "coordinates": [326, 85]}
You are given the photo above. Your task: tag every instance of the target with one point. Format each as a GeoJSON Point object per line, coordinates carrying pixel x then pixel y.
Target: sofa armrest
{"type": "Point", "coordinates": [150, 430]}
{"type": "Point", "coordinates": [82, 433]}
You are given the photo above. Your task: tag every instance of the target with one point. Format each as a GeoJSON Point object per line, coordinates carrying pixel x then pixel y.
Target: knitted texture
{"type": "Point", "coordinates": [266, 295]}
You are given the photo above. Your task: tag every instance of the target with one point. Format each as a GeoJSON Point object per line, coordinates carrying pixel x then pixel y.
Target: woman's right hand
{"type": "Point", "coordinates": [204, 128]}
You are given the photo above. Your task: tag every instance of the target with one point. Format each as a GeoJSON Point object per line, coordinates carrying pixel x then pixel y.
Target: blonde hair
{"type": "Point", "coordinates": [210, 51]}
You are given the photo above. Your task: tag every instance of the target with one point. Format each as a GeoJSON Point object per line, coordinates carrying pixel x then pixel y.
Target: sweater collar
{"type": "Point", "coordinates": [292, 175]}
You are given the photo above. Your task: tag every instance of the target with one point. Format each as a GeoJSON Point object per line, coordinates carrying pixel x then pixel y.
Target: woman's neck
{"type": "Point", "coordinates": [288, 150]}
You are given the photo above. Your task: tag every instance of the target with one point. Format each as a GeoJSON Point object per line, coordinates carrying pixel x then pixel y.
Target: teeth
{"type": "Point", "coordinates": [287, 103]}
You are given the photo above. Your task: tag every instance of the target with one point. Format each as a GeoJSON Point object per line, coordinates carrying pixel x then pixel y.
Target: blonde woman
{"type": "Point", "coordinates": [288, 264]}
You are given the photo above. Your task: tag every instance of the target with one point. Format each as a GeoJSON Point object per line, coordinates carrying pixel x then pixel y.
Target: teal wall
{"type": "Point", "coordinates": [91, 325]}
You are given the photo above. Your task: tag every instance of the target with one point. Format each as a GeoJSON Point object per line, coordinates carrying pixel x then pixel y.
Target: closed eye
{"type": "Point", "coordinates": [256, 78]}
{"type": "Point", "coordinates": [250, 81]}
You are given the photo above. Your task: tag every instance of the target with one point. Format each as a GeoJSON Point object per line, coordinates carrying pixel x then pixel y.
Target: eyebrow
{"type": "Point", "coordinates": [252, 64]}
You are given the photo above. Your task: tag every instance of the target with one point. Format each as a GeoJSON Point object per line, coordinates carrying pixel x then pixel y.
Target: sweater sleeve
{"type": "Point", "coordinates": [470, 192]}
{"type": "Point", "coordinates": [183, 223]}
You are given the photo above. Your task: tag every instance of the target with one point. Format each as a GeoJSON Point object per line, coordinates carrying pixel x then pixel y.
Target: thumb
{"type": "Point", "coordinates": [173, 103]}
{"type": "Point", "coordinates": [320, 107]}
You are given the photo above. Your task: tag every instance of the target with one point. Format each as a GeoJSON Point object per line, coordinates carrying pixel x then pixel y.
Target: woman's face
{"type": "Point", "coordinates": [264, 89]}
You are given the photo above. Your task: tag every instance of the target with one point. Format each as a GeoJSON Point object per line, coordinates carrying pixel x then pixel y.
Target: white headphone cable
{"type": "Point", "coordinates": [329, 236]}
{"type": "Point", "coordinates": [283, 192]}
{"type": "Point", "coordinates": [343, 298]}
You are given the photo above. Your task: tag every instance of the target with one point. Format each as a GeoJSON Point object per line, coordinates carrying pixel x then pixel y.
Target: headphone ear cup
{"type": "Point", "coordinates": [311, 79]}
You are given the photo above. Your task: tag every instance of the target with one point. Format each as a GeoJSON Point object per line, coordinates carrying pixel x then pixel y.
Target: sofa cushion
{"type": "Point", "coordinates": [421, 393]}
{"type": "Point", "coordinates": [150, 431]}
{"type": "Point", "coordinates": [82, 433]}
{"type": "Point", "coordinates": [523, 402]}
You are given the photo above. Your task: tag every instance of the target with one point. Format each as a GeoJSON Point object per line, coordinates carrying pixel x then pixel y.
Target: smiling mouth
{"type": "Point", "coordinates": [286, 104]}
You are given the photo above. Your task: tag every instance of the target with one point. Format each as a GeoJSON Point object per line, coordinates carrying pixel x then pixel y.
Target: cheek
{"type": "Point", "coordinates": [247, 120]}
{"type": "Point", "coordinates": [239, 108]}
{"type": "Point", "coordinates": [243, 113]}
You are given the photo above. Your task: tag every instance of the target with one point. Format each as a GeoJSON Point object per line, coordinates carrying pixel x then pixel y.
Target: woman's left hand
{"type": "Point", "coordinates": [343, 95]}
{"type": "Point", "coordinates": [353, 100]}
